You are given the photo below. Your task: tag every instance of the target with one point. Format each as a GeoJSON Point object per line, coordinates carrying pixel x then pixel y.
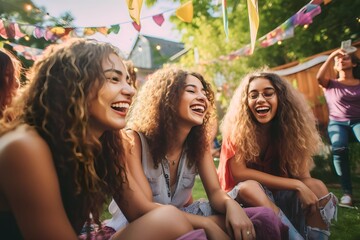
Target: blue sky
{"type": "Point", "coordinates": [93, 13]}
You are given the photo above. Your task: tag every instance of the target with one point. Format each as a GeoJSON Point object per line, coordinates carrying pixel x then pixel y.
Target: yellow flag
{"type": "Point", "coordinates": [254, 22]}
{"type": "Point", "coordinates": [134, 7]}
{"type": "Point", "coordinates": [185, 12]}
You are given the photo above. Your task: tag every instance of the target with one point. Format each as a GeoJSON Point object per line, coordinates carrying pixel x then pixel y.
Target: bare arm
{"type": "Point", "coordinates": [240, 173]}
{"type": "Point", "coordinates": [138, 195]}
{"type": "Point", "coordinates": [237, 223]}
{"type": "Point", "coordinates": [30, 185]}
{"type": "Point", "coordinates": [321, 75]}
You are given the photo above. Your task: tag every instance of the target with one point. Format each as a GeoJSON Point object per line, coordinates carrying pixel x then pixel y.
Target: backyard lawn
{"type": "Point", "coordinates": [347, 226]}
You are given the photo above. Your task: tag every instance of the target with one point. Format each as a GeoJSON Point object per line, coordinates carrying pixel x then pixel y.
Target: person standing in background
{"type": "Point", "coordinates": [343, 100]}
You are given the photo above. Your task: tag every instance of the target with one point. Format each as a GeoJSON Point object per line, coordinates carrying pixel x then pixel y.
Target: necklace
{"type": "Point", "coordinates": [173, 162]}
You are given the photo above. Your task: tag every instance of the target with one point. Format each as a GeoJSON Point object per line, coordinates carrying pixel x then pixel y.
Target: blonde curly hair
{"type": "Point", "coordinates": [55, 104]}
{"type": "Point", "coordinates": [294, 126]}
{"type": "Point", "coordinates": [155, 114]}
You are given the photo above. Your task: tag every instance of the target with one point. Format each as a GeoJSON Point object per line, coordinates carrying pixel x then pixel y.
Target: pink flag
{"type": "Point", "coordinates": [159, 19]}
{"type": "Point", "coordinates": [136, 26]}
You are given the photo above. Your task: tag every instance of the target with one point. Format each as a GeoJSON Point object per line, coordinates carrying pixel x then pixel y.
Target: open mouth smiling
{"type": "Point", "coordinates": [262, 110]}
{"type": "Point", "coordinates": [120, 106]}
{"type": "Point", "coordinates": [198, 108]}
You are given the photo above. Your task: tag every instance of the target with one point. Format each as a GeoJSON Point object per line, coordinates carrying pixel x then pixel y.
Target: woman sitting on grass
{"type": "Point", "coordinates": [269, 138]}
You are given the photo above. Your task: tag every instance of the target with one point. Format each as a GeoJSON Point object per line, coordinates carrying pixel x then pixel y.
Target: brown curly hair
{"type": "Point", "coordinates": [154, 113]}
{"type": "Point", "coordinates": [294, 125]}
{"type": "Point", "coordinates": [10, 70]}
{"type": "Point", "coordinates": [55, 104]}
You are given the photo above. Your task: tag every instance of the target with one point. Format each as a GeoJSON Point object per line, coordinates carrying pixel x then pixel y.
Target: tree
{"type": "Point", "coordinates": [205, 37]}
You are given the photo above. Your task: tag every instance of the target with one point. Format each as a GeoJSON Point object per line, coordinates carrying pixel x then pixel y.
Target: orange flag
{"type": "Point", "coordinates": [134, 7]}
{"type": "Point", "coordinates": [185, 12]}
{"type": "Point", "coordinates": [254, 21]}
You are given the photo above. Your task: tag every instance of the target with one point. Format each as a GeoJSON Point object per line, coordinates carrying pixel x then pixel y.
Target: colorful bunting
{"type": "Point", "coordinates": [10, 29]}
{"type": "Point", "coordinates": [254, 22]}
{"type": "Point", "coordinates": [28, 52]}
{"type": "Point", "coordinates": [185, 12]}
{"type": "Point", "coordinates": [282, 32]}
{"type": "Point", "coordinates": [134, 7]}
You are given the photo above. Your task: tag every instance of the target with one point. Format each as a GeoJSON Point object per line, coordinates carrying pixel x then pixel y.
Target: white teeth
{"type": "Point", "coordinates": [262, 108]}
{"type": "Point", "coordinates": [120, 105]}
{"type": "Point", "coordinates": [198, 107]}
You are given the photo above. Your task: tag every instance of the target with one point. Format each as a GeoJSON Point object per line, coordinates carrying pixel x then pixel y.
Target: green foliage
{"type": "Point", "coordinates": [205, 36]}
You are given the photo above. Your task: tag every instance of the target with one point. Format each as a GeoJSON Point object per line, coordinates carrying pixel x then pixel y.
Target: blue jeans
{"type": "Point", "coordinates": [339, 133]}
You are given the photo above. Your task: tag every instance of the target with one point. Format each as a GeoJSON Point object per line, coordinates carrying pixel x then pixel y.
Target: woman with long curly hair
{"type": "Point", "coordinates": [343, 100]}
{"type": "Point", "coordinates": [59, 156]}
{"type": "Point", "coordinates": [10, 70]}
{"type": "Point", "coordinates": [269, 138]}
{"type": "Point", "coordinates": [170, 125]}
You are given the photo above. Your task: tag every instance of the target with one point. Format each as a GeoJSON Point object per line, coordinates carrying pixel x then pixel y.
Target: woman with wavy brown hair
{"type": "Point", "coordinates": [269, 138]}
{"type": "Point", "coordinates": [59, 156]}
{"type": "Point", "coordinates": [10, 69]}
{"type": "Point", "coordinates": [169, 137]}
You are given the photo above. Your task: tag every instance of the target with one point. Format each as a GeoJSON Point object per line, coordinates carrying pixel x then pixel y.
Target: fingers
{"type": "Point", "coordinates": [230, 231]}
{"type": "Point", "coordinates": [248, 234]}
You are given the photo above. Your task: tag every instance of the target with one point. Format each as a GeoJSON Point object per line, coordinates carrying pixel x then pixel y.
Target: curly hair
{"type": "Point", "coordinates": [294, 126]}
{"type": "Point", "coordinates": [155, 114]}
{"type": "Point", "coordinates": [132, 73]}
{"type": "Point", "coordinates": [10, 70]}
{"type": "Point", "coordinates": [55, 104]}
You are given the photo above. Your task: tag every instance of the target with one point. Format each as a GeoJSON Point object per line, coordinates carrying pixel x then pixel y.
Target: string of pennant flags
{"type": "Point", "coordinates": [14, 30]}
{"type": "Point", "coordinates": [303, 17]}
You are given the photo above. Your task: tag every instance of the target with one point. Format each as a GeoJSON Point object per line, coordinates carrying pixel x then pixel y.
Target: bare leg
{"type": "Point", "coordinates": [251, 194]}
{"type": "Point", "coordinates": [320, 190]}
{"type": "Point", "coordinates": [165, 222]}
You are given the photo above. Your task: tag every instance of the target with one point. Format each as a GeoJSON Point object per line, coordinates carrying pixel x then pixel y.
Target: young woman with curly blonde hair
{"type": "Point", "coordinates": [170, 124]}
{"type": "Point", "coordinates": [59, 156]}
{"type": "Point", "coordinates": [269, 138]}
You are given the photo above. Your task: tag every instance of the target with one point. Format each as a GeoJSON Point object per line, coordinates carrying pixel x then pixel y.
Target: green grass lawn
{"type": "Point", "coordinates": [348, 224]}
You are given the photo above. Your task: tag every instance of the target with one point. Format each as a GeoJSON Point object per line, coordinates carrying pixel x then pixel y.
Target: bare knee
{"type": "Point", "coordinates": [248, 188]}
{"type": "Point", "coordinates": [316, 186]}
{"type": "Point", "coordinates": [252, 194]}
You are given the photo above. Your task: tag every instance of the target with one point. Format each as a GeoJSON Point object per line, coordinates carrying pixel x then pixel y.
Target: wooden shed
{"type": "Point", "coordinates": [303, 76]}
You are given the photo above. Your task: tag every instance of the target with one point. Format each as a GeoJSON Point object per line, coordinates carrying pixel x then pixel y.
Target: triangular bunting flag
{"type": "Point", "coordinates": [114, 29]}
{"type": "Point", "coordinates": [185, 12]}
{"type": "Point", "coordinates": [159, 19]}
{"type": "Point", "coordinates": [136, 26]}
{"type": "Point", "coordinates": [254, 21]}
{"type": "Point", "coordinates": [225, 19]}
{"type": "Point", "coordinates": [134, 7]}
